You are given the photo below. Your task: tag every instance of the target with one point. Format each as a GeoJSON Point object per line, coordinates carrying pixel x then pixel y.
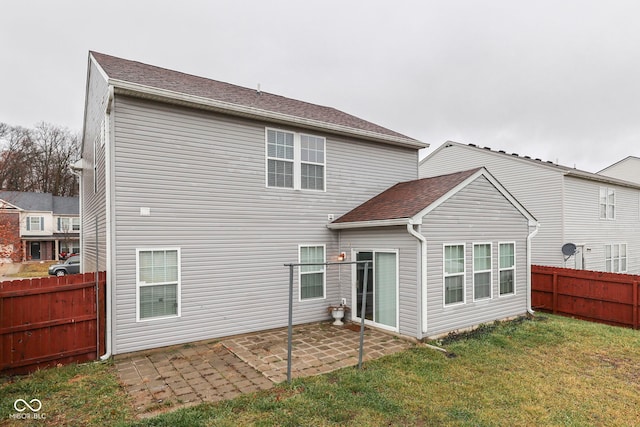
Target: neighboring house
{"type": "Point", "coordinates": [600, 215]}
{"type": "Point", "coordinates": [627, 169]}
{"type": "Point", "coordinates": [448, 252]}
{"type": "Point", "coordinates": [195, 193]}
{"type": "Point", "coordinates": [48, 224]}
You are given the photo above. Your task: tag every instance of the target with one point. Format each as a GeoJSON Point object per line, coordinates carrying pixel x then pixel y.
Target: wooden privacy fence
{"type": "Point", "coordinates": [50, 321]}
{"type": "Point", "coordinates": [591, 295]}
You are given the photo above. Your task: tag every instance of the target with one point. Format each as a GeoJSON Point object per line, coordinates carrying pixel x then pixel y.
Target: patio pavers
{"type": "Point", "coordinates": [209, 371]}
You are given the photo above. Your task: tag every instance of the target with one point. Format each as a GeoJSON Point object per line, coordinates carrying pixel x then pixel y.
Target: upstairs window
{"type": "Point", "coordinates": [607, 203]}
{"type": "Point", "coordinates": [295, 160]}
{"type": "Point", "coordinates": [68, 225]}
{"type": "Point", "coordinates": [279, 159]}
{"type": "Point", "coordinates": [35, 223]}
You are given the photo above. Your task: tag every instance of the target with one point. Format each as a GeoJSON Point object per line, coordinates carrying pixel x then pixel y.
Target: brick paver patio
{"type": "Point", "coordinates": [210, 371]}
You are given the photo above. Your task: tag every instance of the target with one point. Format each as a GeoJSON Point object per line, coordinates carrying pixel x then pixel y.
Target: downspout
{"type": "Point", "coordinates": [529, 237]}
{"type": "Point", "coordinates": [421, 320]}
{"type": "Point", "coordinates": [108, 220]}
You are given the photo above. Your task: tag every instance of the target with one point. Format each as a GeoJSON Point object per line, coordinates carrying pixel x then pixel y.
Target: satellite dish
{"type": "Point", "coordinates": [568, 249]}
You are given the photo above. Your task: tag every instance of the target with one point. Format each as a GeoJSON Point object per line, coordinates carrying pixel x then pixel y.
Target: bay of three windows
{"type": "Point", "coordinates": [295, 160]}
{"type": "Point", "coordinates": [482, 266]}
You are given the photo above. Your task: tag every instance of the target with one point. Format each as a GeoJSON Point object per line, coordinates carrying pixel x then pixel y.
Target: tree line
{"type": "Point", "coordinates": [38, 159]}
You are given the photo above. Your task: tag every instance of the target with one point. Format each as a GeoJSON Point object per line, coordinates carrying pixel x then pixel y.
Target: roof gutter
{"type": "Point", "coordinates": [142, 91]}
{"type": "Point", "coordinates": [367, 224]}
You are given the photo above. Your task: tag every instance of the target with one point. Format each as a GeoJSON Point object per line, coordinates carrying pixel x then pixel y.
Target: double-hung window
{"type": "Point", "coordinates": [607, 203]}
{"type": "Point", "coordinates": [295, 160]}
{"type": "Point", "coordinates": [66, 225]}
{"type": "Point", "coordinates": [35, 223]}
{"type": "Point", "coordinates": [158, 283]}
{"type": "Point", "coordinates": [481, 271]}
{"type": "Point", "coordinates": [507, 267]}
{"type": "Point", "coordinates": [312, 277]}
{"type": "Point", "coordinates": [454, 271]}
{"type": "Point", "coordinates": [615, 258]}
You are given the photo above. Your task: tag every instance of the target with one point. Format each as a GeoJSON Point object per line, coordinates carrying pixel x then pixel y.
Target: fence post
{"type": "Point", "coordinates": [554, 298]}
{"type": "Point", "coordinates": [635, 305]}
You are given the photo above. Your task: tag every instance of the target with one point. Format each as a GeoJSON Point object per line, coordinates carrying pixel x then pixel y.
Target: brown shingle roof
{"type": "Point", "coordinates": [406, 199]}
{"type": "Point", "coordinates": [124, 70]}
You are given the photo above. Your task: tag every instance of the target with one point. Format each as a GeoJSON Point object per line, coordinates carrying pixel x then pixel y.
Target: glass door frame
{"type": "Point", "coordinates": [355, 314]}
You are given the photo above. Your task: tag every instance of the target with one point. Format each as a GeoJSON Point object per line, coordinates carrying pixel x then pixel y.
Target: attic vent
{"type": "Point", "coordinates": [539, 159]}
{"type": "Point", "coordinates": [515, 154]}
{"type": "Point", "coordinates": [472, 145]}
{"type": "Point", "coordinates": [487, 148]}
{"type": "Point", "coordinates": [527, 157]}
{"type": "Point", "coordinates": [549, 161]}
{"type": "Point", "coordinates": [502, 151]}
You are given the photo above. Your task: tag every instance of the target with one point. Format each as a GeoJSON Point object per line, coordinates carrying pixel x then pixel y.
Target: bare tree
{"type": "Point", "coordinates": [38, 159]}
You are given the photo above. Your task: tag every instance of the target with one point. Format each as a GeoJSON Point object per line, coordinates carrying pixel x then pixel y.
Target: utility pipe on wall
{"type": "Point", "coordinates": [422, 304]}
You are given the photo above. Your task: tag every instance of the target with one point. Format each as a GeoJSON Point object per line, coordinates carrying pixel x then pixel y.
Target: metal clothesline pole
{"type": "Point", "coordinates": [364, 303]}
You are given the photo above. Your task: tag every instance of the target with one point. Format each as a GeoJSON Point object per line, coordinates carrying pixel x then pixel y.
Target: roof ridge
{"type": "Point", "coordinates": [137, 77]}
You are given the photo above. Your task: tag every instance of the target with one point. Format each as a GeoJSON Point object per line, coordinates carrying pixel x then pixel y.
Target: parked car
{"type": "Point", "coordinates": [70, 266]}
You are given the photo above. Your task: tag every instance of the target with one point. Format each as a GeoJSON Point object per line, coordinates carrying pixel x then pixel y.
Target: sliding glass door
{"type": "Point", "coordinates": [382, 287]}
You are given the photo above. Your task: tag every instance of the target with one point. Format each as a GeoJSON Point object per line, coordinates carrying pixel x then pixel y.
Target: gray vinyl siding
{"type": "Point", "coordinates": [627, 169]}
{"type": "Point", "coordinates": [476, 214]}
{"type": "Point", "coordinates": [387, 238]}
{"type": "Point", "coordinates": [203, 177]}
{"type": "Point", "coordinates": [93, 202]}
{"type": "Point", "coordinates": [584, 227]}
{"type": "Point", "coordinates": [538, 187]}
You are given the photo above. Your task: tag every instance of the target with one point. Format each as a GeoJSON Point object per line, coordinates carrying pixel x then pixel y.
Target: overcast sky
{"type": "Point", "coordinates": [557, 80]}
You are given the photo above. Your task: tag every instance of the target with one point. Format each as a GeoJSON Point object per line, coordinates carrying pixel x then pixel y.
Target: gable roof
{"type": "Point", "coordinates": [41, 202]}
{"type": "Point", "coordinates": [549, 165]}
{"type": "Point", "coordinates": [148, 81]}
{"type": "Point", "coordinates": [627, 159]}
{"type": "Point", "coordinates": [407, 202]}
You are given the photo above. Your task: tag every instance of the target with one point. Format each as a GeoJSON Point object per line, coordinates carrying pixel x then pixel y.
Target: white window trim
{"type": "Point", "coordinates": [71, 220]}
{"type": "Point", "coordinates": [297, 161]}
{"type": "Point", "coordinates": [464, 276]}
{"type": "Point", "coordinates": [40, 221]}
{"type": "Point", "coordinates": [626, 257]}
{"type": "Point", "coordinates": [607, 205]}
{"type": "Point", "coordinates": [139, 285]}
{"type": "Point", "coordinates": [323, 271]}
{"type": "Point", "coordinates": [515, 263]}
{"type": "Point", "coordinates": [355, 315]}
{"type": "Point", "coordinates": [490, 271]}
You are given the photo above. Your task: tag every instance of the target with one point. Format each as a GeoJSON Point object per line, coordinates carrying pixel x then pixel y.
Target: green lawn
{"type": "Point", "coordinates": [548, 371]}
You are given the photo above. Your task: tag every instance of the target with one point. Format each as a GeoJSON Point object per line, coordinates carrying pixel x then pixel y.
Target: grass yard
{"type": "Point", "coordinates": [548, 371]}
{"type": "Point", "coordinates": [34, 269]}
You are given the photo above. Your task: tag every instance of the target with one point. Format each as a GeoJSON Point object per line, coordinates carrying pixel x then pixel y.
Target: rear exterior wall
{"type": "Point", "coordinates": [202, 177]}
{"type": "Point", "coordinates": [476, 214]}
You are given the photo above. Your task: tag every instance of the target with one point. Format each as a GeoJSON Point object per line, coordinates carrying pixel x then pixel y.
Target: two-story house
{"type": "Point", "coordinates": [195, 193]}
{"type": "Point", "coordinates": [48, 225]}
{"type": "Point", "coordinates": [627, 169]}
{"type": "Point", "coordinates": [598, 214]}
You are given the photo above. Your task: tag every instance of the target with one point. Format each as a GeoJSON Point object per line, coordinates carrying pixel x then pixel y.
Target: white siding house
{"type": "Point", "coordinates": [448, 252]}
{"type": "Point", "coordinates": [48, 225]}
{"type": "Point", "coordinates": [627, 169]}
{"type": "Point", "coordinates": [195, 192]}
{"type": "Point", "coordinates": [599, 214]}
